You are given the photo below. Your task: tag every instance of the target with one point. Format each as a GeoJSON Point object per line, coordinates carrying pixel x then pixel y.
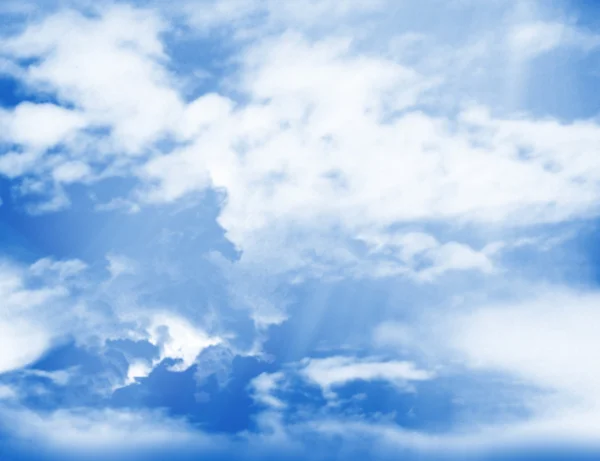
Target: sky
{"type": "Point", "coordinates": [304, 230]}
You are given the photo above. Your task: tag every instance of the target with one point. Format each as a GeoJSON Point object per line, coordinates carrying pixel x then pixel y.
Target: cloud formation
{"type": "Point", "coordinates": [342, 147]}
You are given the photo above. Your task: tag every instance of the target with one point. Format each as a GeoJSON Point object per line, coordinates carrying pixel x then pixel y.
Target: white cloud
{"type": "Point", "coordinates": [178, 339]}
{"type": "Point", "coordinates": [337, 371]}
{"type": "Point", "coordinates": [544, 341]}
{"type": "Point", "coordinates": [424, 257]}
{"type": "Point", "coordinates": [91, 430]}
{"type": "Point", "coordinates": [263, 387]}
{"type": "Point", "coordinates": [22, 342]}
{"type": "Point", "coordinates": [31, 318]}
{"type": "Point", "coordinates": [70, 172]}
{"type": "Point", "coordinates": [321, 117]}
{"type": "Point", "coordinates": [34, 319]}
{"type": "Point", "coordinates": [64, 269]}
{"type": "Point", "coordinates": [479, 441]}
{"type": "Point", "coordinates": [137, 369]}
{"type": "Point", "coordinates": [203, 112]}
{"type": "Point", "coordinates": [175, 336]}
{"type": "Point", "coordinates": [15, 164]}
{"type": "Point", "coordinates": [549, 341]}
{"type": "Point", "coordinates": [15, 294]}
{"type": "Point", "coordinates": [104, 430]}
{"type": "Point", "coordinates": [124, 88]}
{"type": "Point", "coordinates": [319, 143]}
{"type": "Point", "coordinates": [324, 121]}
{"type": "Point", "coordinates": [52, 300]}
{"type": "Point", "coordinates": [58, 377]}
{"type": "Point", "coordinates": [39, 126]}
{"type": "Point", "coordinates": [530, 39]}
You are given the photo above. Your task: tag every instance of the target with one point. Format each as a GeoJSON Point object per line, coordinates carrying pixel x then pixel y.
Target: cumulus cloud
{"type": "Point", "coordinates": [54, 301]}
{"type": "Point", "coordinates": [351, 152]}
{"type": "Point", "coordinates": [108, 89]}
{"type": "Point", "coordinates": [318, 172]}
{"type": "Point", "coordinates": [178, 339]}
{"type": "Point", "coordinates": [333, 372]}
{"type": "Point", "coordinates": [321, 118]}
{"type": "Point", "coordinates": [39, 126]}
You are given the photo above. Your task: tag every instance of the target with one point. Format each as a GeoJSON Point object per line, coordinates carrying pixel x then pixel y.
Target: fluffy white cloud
{"type": "Point", "coordinates": [329, 373]}
{"type": "Point", "coordinates": [476, 442]}
{"type": "Point", "coordinates": [70, 172]}
{"type": "Point", "coordinates": [323, 144]}
{"type": "Point", "coordinates": [178, 339]}
{"type": "Point", "coordinates": [39, 126]}
{"type": "Point", "coordinates": [263, 387]}
{"type": "Point", "coordinates": [332, 372]}
{"type": "Point", "coordinates": [51, 300]}
{"type": "Point", "coordinates": [423, 257]}
{"type": "Point", "coordinates": [26, 316]}
{"type": "Point", "coordinates": [301, 159]}
{"type": "Point", "coordinates": [321, 117]}
{"type": "Point", "coordinates": [175, 336]}
{"type": "Point", "coordinates": [22, 342]}
{"type": "Point", "coordinates": [544, 341]}
{"type": "Point", "coordinates": [105, 430]}
{"type": "Point", "coordinates": [123, 88]}
{"type": "Point", "coordinates": [137, 369]}
{"type": "Point", "coordinates": [549, 341]}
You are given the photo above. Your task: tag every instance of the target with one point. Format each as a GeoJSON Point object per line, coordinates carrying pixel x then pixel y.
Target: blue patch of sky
{"type": "Point", "coordinates": [82, 232]}
{"type": "Point", "coordinates": [568, 90]}
{"type": "Point", "coordinates": [10, 92]}
{"type": "Point", "coordinates": [211, 406]}
{"type": "Point", "coordinates": [205, 60]}
{"type": "Point", "coordinates": [14, 91]}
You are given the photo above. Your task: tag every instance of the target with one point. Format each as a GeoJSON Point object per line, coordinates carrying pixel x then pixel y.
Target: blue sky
{"type": "Point", "coordinates": [247, 229]}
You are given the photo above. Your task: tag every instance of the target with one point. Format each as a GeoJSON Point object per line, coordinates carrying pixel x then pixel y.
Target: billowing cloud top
{"type": "Point", "coordinates": [253, 229]}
